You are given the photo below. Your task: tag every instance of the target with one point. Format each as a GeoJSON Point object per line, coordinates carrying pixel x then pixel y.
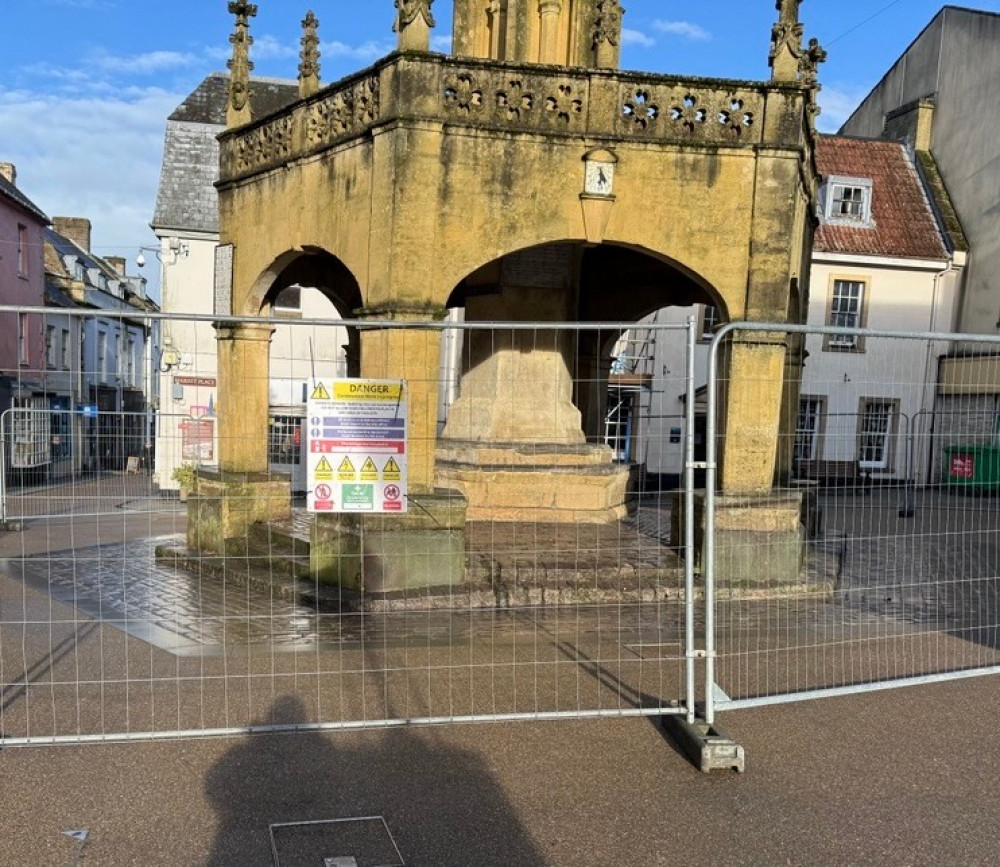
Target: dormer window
{"type": "Point", "coordinates": [848, 201]}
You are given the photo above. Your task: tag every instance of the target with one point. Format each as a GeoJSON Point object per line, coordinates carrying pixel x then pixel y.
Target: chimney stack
{"type": "Point", "coordinates": [116, 262]}
{"type": "Point", "coordinates": [77, 229]}
{"type": "Point", "coordinates": [9, 171]}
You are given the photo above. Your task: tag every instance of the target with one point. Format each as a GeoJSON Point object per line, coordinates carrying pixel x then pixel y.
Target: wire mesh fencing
{"type": "Point", "coordinates": [168, 578]}
{"type": "Point", "coordinates": [888, 452]}
{"type": "Point", "coordinates": [581, 520]}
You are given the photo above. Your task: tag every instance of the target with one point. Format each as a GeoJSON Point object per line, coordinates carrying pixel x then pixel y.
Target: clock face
{"type": "Point", "coordinates": [600, 180]}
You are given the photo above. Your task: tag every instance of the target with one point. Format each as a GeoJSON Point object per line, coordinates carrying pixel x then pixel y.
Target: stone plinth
{"type": "Point", "coordinates": [553, 483]}
{"type": "Point", "coordinates": [759, 539]}
{"type": "Point", "coordinates": [372, 555]}
{"type": "Point", "coordinates": [225, 505]}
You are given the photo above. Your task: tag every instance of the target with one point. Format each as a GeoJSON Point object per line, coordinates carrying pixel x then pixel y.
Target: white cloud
{"type": "Point", "coordinates": [150, 63]}
{"type": "Point", "coordinates": [89, 156]}
{"type": "Point", "coordinates": [837, 104]}
{"type": "Point", "coordinates": [268, 47]}
{"type": "Point", "coordinates": [441, 42]}
{"type": "Point", "coordinates": [637, 37]}
{"type": "Point", "coordinates": [683, 29]}
{"type": "Point", "coordinates": [367, 51]}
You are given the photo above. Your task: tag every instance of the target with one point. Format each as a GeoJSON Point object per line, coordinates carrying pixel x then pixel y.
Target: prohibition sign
{"type": "Point", "coordinates": [323, 492]}
{"type": "Point", "coordinates": [391, 492]}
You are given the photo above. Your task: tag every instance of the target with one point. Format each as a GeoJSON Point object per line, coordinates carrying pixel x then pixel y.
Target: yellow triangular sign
{"type": "Point", "coordinates": [320, 392]}
{"type": "Point", "coordinates": [323, 466]}
{"type": "Point", "coordinates": [391, 466]}
{"type": "Point", "coordinates": [346, 466]}
{"type": "Point", "coordinates": [369, 466]}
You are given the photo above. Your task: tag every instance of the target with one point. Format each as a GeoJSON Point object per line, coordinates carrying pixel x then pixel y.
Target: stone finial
{"type": "Point", "coordinates": [786, 42]}
{"type": "Point", "coordinates": [414, 22]}
{"type": "Point", "coordinates": [238, 110]}
{"type": "Point", "coordinates": [309, 56]}
{"type": "Point", "coordinates": [809, 63]}
{"type": "Point", "coordinates": [607, 33]}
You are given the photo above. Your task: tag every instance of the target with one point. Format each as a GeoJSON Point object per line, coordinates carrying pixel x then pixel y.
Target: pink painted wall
{"type": "Point", "coordinates": [21, 289]}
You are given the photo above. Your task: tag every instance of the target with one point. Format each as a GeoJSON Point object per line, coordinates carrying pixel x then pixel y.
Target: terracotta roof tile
{"type": "Point", "coordinates": [904, 225]}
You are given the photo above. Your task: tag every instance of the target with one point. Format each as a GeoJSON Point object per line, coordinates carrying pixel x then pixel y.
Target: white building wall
{"type": "Point", "coordinates": [901, 296]}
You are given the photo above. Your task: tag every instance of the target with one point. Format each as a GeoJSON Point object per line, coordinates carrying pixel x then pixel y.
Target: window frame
{"type": "Point", "coordinates": [890, 435]}
{"type": "Point", "coordinates": [838, 343]}
{"type": "Point", "coordinates": [23, 349]}
{"type": "Point", "coordinates": [817, 431]}
{"type": "Point", "coordinates": [23, 260]}
{"type": "Point", "coordinates": [708, 325]}
{"type": "Point", "coordinates": [50, 347]}
{"type": "Point", "coordinates": [830, 199]}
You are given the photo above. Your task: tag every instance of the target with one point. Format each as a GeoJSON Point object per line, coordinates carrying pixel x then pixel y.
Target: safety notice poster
{"type": "Point", "coordinates": [356, 440]}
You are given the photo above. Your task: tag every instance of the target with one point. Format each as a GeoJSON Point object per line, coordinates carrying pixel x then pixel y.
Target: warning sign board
{"type": "Point", "coordinates": [356, 445]}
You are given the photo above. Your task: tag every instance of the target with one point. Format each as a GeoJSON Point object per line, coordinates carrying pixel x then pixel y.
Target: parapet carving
{"type": "Point", "coordinates": [532, 102]}
{"type": "Point", "coordinates": [528, 99]}
{"type": "Point", "coordinates": [325, 121]}
{"type": "Point", "coordinates": [343, 113]}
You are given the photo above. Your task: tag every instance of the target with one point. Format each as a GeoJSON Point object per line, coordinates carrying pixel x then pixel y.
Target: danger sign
{"type": "Point", "coordinates": [357, 445]}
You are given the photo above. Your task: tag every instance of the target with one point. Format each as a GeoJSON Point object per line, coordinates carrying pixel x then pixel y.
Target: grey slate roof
{"type": "Point", "coordinates": [186, 199]}
{"type": "Point", "coordinates": [11, 192]}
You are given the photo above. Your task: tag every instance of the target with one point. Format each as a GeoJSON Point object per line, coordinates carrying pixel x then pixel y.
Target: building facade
{"type": "Point", "coordinates": [22, 346]}
{"type": "Point", "coordinates": [98, 374]}
{"type": "Point", "coordinates": [938, 98]}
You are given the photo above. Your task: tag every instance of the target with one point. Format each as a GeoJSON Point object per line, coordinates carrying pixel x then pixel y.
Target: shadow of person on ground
{"type": "Point", "coordinates": [442, 806]}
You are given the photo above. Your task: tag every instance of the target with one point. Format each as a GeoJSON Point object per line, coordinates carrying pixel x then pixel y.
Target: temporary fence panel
{"type": "Point", "coordinates": [571, 597]}
{"type": "Point", "coordinates": [888, 444]}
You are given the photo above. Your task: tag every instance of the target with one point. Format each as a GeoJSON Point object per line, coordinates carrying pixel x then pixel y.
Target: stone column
{"type": "Point", "coordinates": [548, 43]}
{"type": "Point", "coordinates": [228, 503]}
{"type": "Point", "coordinates": [794, 359]}
{"type": "Point", "coordinates": [244, 371]}
{"type": "Point", "coordinates": [411, 355]}
{"type": "Point", "coordinates": [753, 411]}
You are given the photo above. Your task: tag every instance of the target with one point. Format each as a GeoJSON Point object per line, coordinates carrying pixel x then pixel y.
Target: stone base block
{"type": "Point", "coordinates": [759, 540]}
{"type": "Point", "coordinates": [223, 507]}
{"type": "Point", "coordinates": [535, 482]}
{"type": "Point", "coordinates": [384, 554]}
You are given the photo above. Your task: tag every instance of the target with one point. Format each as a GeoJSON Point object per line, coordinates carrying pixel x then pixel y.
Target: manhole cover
{"type": "Point", "coordinates": [362, 842]}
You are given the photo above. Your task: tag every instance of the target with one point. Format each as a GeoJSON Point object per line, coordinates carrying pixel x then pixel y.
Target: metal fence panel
{"type": "Point", "coordinates": [112, 627]}
{"type": "Point", "coordinates": [893, 452]}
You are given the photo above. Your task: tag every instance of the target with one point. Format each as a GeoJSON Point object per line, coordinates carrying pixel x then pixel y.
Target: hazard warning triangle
{"type": "Point", "coordinates": [324, 466]}
{"type": "Point", "coordinates": [320, 392]}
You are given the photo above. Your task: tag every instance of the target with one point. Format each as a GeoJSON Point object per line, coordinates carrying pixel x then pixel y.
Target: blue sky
{"type": "Point", "coordinates": [86, 85]}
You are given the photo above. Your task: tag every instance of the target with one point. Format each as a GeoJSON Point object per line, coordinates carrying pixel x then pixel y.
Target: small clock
{"type": "Point", "coordinates": [600, 178]}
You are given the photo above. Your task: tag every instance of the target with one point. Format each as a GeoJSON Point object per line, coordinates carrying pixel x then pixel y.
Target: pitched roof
{"type": "Point", "coordinates": [903, 222]}
{"type": "Point", "coordinates": [11, 192]}
{"type": "Point", "coordinates": [186, 198]}
{"type": "Point", "coordinates": [207, 102]}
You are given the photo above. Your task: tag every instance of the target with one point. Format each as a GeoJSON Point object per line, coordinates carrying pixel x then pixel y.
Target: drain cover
{"type": "Point", "coordinates": [361, 842]}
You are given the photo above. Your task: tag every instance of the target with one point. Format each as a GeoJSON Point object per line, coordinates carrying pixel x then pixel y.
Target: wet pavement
{"type": "Point", "coordinates": [912, 596]}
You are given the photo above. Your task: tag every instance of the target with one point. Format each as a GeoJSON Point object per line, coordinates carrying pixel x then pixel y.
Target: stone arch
{"type": "Point", "coordinates": [609, 282]}
{"type": "Point", "coordinates": [310, 266]}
